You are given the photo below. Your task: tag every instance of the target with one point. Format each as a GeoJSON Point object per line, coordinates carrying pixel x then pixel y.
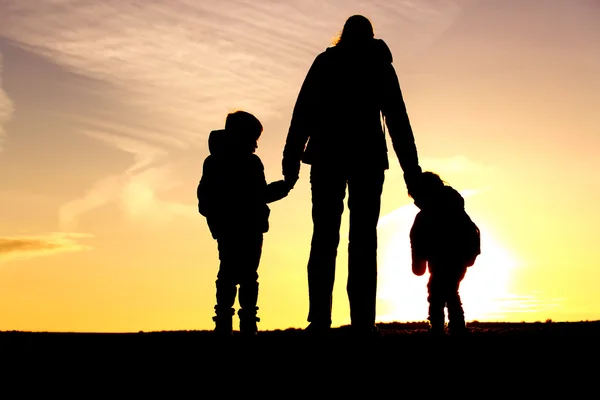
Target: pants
{"type": "Point", "coordinates": [328, 187]}
{"type": "Point", "coordinates": [444, 282]}
{"type": "Point", "coordinates": [240, 256]}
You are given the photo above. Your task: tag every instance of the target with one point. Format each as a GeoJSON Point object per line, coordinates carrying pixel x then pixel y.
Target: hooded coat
{"type": "Point", "coordinates": [337, 117]}
{"type": "Point", "coordinates": [232, 193]}
{"type": "Point", "coordinates": [443, 231]}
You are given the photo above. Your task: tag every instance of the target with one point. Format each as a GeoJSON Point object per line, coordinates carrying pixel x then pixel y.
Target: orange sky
{"type": "Point", "coordinates": [105, 108]}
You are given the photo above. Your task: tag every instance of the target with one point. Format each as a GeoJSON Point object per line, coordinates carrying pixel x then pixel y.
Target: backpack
{"type": "Point", "coordinates": [472, 237]}
{"type": "Point", "coordinates": [455, 237]}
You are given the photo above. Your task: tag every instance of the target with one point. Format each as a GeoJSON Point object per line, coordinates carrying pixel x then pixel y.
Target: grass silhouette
{"type": "Point", "coordinates": [387, 331]}
{"type": "Point", "coordinates": [496, 351]}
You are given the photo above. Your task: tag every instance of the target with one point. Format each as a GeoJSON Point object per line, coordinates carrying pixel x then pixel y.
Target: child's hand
{"type": "Point", "coordinates": [277, 190]}
{"type": "Point", "coordinates": [419, 267]}
{"type": "Point", "coordinates": [291, 181]}
{"type": "Point", "coordinates": [281, 187]}
{"type": "Point", "coordinates": [471, 261]}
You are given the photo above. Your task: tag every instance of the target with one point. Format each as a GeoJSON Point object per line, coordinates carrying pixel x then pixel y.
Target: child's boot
{"type": "Point", "coordinates": [248, 308]}
{"type": "Point", "coordinates": [436, 327]}
{"type": "Point", "coordinates": [456, 318]}
{"type": "Point", "coordinates": [436, 320]}
{"type": "Point", "coordinates": [224, 309]}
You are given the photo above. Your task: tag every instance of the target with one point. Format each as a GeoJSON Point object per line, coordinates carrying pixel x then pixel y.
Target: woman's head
{"type": "Point", "coordinates": [357, 30]}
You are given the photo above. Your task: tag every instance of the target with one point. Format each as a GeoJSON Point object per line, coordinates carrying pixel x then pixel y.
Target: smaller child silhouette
{"type": "Point", "coordinates": [444, 239]}
{"type": "Point", "coordinates": [233, 196]}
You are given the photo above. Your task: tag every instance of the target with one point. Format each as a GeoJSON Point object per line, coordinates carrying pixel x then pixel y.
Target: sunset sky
{"type": "Point", "coordinates": [105, 109]}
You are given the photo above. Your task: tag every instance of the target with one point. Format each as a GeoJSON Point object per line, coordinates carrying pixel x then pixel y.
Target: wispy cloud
{"type": "Point", "coordinates": [144, 153]}
{"type": "Point", "coordinates": [6, 106]}
{"type": "Point", "coordinates": [529, 303]}
{"type": "Point", "coordinates": [135, 189]}
{"type": "Point", "coordinates": [405, 215]}
{"type": "Point", "coordinates": [181, 65]}
{"type": "Point", "coordinates": [458, 163]}
{"type": "Point", "coordinates": [140, 200]}
{"type": "Point", "coordinates": [458, 169]}
{"type": "Point", "coordinates": [20, 247]}
{"type": "Point", "coordinates": [448, 168]}
{"type": "Point", "coordinates": [102, 192]}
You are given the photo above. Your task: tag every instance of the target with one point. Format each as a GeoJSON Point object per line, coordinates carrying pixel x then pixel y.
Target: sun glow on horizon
{"type": "Point", "coordinates": [105, 112]}
{"type": "Point", "coordinates": [402, 296]}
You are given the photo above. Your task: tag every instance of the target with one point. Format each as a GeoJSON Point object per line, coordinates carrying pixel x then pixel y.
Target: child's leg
{"type": "Point", "coordinates": [252, 250]}
{"type": "Point", "coordinates": [226, 285]}
{"type": "Point", "coordinates": [456, 315]}
{"type": "Point", "coordinates": [436, 301]}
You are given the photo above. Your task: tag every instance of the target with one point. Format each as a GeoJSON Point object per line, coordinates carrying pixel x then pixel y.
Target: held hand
{"type": "Point", "coordinates": [279, 189]}
{"type": "Point", "coordinates": [412, 181]}
{"type": "Point", "coordinates": [290, 181]}
{"type": "Point", "coordinates": [276, 191]}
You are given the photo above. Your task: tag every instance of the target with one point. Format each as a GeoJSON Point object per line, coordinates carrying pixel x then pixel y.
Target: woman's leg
{"type": "Point", "coordinates": [364, 201]}
{"type": "Point", "coordinates": [328, 191]}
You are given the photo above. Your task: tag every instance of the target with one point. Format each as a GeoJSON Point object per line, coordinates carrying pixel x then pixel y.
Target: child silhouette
{"type": "Point", "coordinates": [444, 239]}
{"type": "Point", "coordinates": [233, 196]}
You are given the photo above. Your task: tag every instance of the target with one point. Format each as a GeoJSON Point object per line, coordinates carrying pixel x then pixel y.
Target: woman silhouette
{"type": "Point", "coordinates": [336, 128]}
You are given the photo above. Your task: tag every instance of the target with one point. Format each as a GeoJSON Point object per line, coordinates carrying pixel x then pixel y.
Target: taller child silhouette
{"type": "Point", "coordinates": [336, 128]}
{"type": "Point", "coordinates": [233, 196]}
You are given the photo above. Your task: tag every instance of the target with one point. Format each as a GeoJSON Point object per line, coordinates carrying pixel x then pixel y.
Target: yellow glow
{"type": "Point", "coordinates": [103, 136]}
{"type": "Point", "coordinates": [402, 296]}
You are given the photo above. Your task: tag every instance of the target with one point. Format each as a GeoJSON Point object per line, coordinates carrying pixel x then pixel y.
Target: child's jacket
{"type": "Point", "coordinates": [442, 230]}
{"type": "Point", "coordinates": [232, 190]}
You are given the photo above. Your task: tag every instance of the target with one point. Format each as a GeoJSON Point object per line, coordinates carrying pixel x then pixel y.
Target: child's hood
{"type": "Point", "coordinates": [219, 142]}
{"type": "Point", "coordinates": [447, 199]}
{"type": "Point", "coordinates": [452, 199]}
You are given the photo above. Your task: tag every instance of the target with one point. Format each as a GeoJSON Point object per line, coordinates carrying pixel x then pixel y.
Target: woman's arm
{"type": "Point", "coordinates": [302, 122]}
{"type": "Point", "coordinates": [398, 123]}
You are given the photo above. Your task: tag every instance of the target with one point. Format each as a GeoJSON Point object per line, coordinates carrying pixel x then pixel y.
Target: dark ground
{"type": "Point", "coordinates": [387, 332]}
{"type": "Point", "coordinates": [391, 336]}
{"type": "Point", "coordinates": [542, 356]}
